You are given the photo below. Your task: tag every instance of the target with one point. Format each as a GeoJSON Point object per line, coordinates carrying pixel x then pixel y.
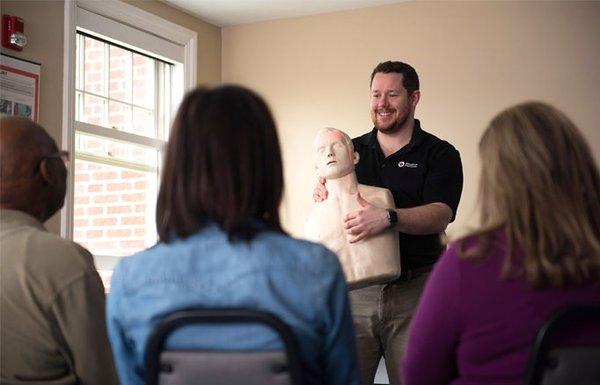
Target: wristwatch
{"type": "Point", "coordinates": [392, 217]}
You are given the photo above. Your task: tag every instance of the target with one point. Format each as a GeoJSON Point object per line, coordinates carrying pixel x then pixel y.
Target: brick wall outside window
{"type": "Point", "coordinates": [114, 206]}
{"type": "Point", "coordinates": [114, 209]}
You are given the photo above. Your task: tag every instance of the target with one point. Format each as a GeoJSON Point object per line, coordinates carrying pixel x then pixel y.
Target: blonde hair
{"type": "Point", "coordinates": [540, 184]}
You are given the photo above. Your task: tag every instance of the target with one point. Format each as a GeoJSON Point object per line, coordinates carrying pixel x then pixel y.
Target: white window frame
{"type": "Point", "coordinates": [130, 17]}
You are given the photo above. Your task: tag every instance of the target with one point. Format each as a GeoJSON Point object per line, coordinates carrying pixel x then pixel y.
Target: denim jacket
{"type": "Point", "coordinates": [298, 281]}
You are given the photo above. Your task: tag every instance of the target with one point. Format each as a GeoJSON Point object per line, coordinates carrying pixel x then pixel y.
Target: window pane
{"type": "Point", "coordinates": [144, 76]}
{"type": "Point", "coordinates": [112, 149]}
{"type": "Point", "coordinates": [114, 208]}
{"type": "Point", "coordinates": [119, 116]}
{"type": "Point", "coordinates": [79, 62]}
{"type": "Point", "coordinates": [94, 110]}
{"type": "Point", "coordinates": [143, 122]}
{"type": "Point", "coordinates": [120, 74]}
{"type": "Point", "coordinates": [95, 66]}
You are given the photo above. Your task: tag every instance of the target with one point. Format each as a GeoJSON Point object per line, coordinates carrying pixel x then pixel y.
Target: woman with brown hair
{"type": "Point", "coordinates": [222, 246]}
{"type": "Point", "coordinates": [537, 249]}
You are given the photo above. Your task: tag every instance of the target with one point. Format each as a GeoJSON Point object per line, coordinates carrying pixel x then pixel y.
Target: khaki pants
{"type": "Point", "coordinates": [382, 314]}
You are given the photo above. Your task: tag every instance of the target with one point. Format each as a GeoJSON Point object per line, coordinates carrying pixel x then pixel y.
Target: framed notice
{"type": "Point", "coordinates": [19, 87]}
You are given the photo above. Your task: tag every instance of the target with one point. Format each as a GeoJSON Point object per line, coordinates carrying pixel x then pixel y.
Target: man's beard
{"type": "Point", "coordinates": [394, 127]}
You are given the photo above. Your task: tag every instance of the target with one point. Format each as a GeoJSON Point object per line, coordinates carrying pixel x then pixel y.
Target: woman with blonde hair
{"type": "Point", "coordinates": [537, 250]}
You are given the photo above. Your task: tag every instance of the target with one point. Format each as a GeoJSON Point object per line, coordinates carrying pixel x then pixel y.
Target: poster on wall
{"type": "Point", "coordinates": [19, 87]}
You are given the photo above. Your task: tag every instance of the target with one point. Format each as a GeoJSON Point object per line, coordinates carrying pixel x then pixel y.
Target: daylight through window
{"type": "Point", "coordinates": [121, 123]}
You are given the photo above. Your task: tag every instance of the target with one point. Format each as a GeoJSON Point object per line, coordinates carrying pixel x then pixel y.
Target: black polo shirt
{"type": "Point", "coordinates": [426, 170]}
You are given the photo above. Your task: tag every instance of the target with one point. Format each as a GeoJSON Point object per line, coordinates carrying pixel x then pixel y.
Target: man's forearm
{"type": "Point", "coordinates": [432, 218]}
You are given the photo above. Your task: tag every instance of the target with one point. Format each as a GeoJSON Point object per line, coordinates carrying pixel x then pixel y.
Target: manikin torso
{"type": "Point", "coordinates": [371, 260]}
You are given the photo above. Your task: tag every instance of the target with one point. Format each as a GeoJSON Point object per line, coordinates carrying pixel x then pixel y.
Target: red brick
{"type": "Point", "coordinates": [95, 188]}
{"type": "Point", "coordinates": [95, 210]}
{"type": "Point", "coordinates": [138, 197]}
{"type": "Point", "coordinates": [130, 174]}
{"type": "Point", "coordinates": [105, 198]}
{"type": "Point", "coordinates": [105, 221]}
{"type": "Point", "coordinates": [119, 233]}
{"type": "Point", "coordinates": [82, 177]}
{"type": "Point", "coordinates": [105, 175]}
{"type": "Point", "coordinates": [82, 200]}
{"type": "Point", "coordinates": [140, 232]}
{"type": "Point", "coordinates": [118, 186]}
{"type": "Point", "coordinates": [94, 234]}
{"type": "Point", "coordinates": [118, 209]}
{"type": "Point", "coordinates": [133, 220]}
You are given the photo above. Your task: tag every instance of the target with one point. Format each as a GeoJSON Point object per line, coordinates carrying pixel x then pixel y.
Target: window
{"type": "Point", "coordinates": [124, 88]}
{"type": "Point", "coordinates": [122, 113]}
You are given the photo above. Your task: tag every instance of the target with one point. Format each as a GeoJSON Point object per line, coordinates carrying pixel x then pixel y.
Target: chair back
{"type": "Point", "coordinates": [579, 365]}
{"type": "Point", "coordinates": [221, 367]}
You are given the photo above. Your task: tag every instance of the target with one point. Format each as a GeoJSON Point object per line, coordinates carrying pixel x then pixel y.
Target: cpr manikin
{"type": "Point", "coordinates": [373, 259]}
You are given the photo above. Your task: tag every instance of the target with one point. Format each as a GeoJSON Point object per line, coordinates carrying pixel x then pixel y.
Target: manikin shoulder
{"type": "Point", "coordinates": [377, 195]}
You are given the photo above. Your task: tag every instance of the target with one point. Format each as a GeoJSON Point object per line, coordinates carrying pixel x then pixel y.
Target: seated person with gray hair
{"type": "Point", "coordinates": [365, 260]}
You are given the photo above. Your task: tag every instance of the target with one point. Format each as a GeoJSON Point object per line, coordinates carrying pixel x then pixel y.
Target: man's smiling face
{"type": "Point", "coordinates": [391, 105]}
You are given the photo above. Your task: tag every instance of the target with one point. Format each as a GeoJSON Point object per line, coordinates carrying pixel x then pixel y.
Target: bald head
{"type": "Point", "coordinates": [29, 180]}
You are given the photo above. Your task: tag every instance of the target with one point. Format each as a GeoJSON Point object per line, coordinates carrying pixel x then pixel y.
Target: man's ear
{"type": "Point", "coordinates": [414, 98]}
{"type": "Point", "coordinates": [356, 157]}
{"type": "Point", "coordinates": [46, 172]}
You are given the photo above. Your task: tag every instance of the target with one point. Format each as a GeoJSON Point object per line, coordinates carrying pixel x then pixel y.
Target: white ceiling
{"type": "Point", "coordinates": [225, 13]}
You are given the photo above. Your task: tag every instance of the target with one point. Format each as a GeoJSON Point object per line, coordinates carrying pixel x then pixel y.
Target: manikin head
{"type": "Point", "coordinates": [32, 174]}
{"type": "Point", "coordinates": [334, 154]}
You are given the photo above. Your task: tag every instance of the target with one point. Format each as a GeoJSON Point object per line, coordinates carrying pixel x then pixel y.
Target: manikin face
{"type": "Point", "coordinates": [333, 157]}
{"type": "Point", "coordinates": [391, 105]}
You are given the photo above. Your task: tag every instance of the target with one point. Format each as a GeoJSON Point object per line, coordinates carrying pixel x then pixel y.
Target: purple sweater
{"type": "Point", "coordinates": [473, 328]}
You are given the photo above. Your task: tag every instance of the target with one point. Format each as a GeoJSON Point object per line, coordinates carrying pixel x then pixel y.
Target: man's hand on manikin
{"type": "Point", "coordinates": [320, 192]}
{"type": "Point", "coordinates": [367, 221]}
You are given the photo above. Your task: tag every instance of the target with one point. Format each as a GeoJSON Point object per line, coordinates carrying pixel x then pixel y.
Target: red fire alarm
{"type": "Point", "coordinates": [12, 32]}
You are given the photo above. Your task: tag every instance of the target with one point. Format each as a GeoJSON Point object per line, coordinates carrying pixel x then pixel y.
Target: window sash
{"type": "Point", "coordinates": [129, 37]}
{"type": "Point", "coordinates": [161, 102]}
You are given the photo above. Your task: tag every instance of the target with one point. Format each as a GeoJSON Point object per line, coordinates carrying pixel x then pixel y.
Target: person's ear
{"type": "Point", "coordinates": [356, 157]}
{"type": "Point", "coordinates": [52, 171]}
{"type": "Point", "coordinates": [414, 98]}
{"type": "Point", "coordinates": [46, 172]}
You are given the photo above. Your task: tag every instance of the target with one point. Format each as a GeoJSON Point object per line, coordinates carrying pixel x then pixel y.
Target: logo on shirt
{"type": "Point", "coordinates": [407, 164]}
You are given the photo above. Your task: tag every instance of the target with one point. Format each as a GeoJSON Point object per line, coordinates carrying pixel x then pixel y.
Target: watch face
{"type": "Point", "coordinates": [392, 217]}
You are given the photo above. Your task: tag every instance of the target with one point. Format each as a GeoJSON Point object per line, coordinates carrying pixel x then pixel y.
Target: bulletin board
{"type": "Point", "coordinates": [19, 87]}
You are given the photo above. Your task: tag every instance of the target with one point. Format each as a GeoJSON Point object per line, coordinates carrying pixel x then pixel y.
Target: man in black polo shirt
{"type": "Point", "coordinates": [424, 174]}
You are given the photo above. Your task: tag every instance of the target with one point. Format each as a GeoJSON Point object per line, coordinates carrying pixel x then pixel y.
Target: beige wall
{"type": "Point", "coordinates": [43, 19]}
{"type": "Point", "coordinates": [209, 38]}
{"type": "Point", "coordinates": [44, 23]}
{"type": "Point", "coordinates": [474, 58]}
